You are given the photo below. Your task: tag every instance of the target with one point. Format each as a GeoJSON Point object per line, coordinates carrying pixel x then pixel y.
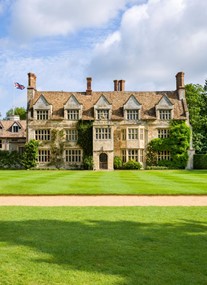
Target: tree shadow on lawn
{"type": "Point", "coordinates": [140, 253]}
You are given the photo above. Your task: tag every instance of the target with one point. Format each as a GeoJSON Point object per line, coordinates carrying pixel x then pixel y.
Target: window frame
{"type": "Point", "coordinates": [165, 114]}
{"type": "Point", "coordinates": [103, 133]}
{"type": "Point", "coordinates": [163, 155]}
{"type": "Point", "coordinates": [71, 135]}
{"type": "Point", "coordinates": [102, 114]}
{"type": "Point", "coordinates": [73, 114]}
{"type": "Point", "coordinates": [43, 155]}
{"type": "Point", "coordinates": [42, 134]}
{"type": "Point", "coordinates": [132, 114]}
{"type": "Point", "coordinates": [133, 134]}
{"type": "Point", "coordinates": [163, 133]}
{"type": "Point", "coordinates": [42, 115]}
{"type": "Point", "coordinates": [73, 156]}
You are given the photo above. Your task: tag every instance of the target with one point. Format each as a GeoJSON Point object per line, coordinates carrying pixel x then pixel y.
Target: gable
{"type": "Point", "coordinates": [102, 103]}
{"type": "Point", "coordinates": [72, 103]}
{"type": "Point", "coordinates": [132, 103]}
{"type": "Point", "coordinates": [41, 103]}
{"type": "Point", "coordinates": [15, 127]}
{"type": "Point", "coordinates": [164, 103]}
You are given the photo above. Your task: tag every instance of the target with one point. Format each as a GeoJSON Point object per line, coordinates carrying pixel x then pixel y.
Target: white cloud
{"type": "Point", "coordinates": [39, 18]}
{"type": "Point", "coordinates": [156, 40]}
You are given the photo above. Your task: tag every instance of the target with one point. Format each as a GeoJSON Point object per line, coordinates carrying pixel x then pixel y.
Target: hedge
{"type": "Point", "coordinates": [200, 161]}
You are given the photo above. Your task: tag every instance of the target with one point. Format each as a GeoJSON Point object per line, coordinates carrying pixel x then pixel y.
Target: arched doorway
{"type": "Point", "coordinates": [103, 161]}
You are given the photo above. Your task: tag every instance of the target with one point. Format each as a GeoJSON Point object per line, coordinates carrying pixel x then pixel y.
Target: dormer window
{"type": "Point", "coordinates": [42, 114]}
{"type": "Point", "coordinates": [72, 109]}
{"type": "Point", "coordinates": [42, 109]}
{"type": "Point", "coordinates": [102, 109]}
{"type": "Point", "coordinates": [131, 109]}
{"type": "Point", "coordinates": [132, 114]}
{"type": "Point", "coordinates": [165, 114]}
{"type": "Point", "coordinates": [103, 114]}
{"type": "Point", "coordinates": [73, 115]}
{"type": "Point", "coordinates": [164, 109]}
{"type": "Point", "coordinates": [15, 128]}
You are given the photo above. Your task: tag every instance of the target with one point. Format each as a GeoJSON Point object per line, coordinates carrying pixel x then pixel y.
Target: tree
{"type": "Point", "coordinates": [30, 154]}
{"type": "Point", "coordinates": [21, 111]}
{"type": "Point", "coordinates": [196, 96]}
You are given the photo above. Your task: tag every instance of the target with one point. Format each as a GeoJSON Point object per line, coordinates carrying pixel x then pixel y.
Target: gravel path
{"type": "Point", "coordinates": [103, 200]}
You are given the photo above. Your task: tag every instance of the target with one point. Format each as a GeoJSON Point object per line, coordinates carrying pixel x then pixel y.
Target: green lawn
{"type": "Point", "coordinates": [103, 246]}
{"type": "Point", "coordinates": [103, 182]}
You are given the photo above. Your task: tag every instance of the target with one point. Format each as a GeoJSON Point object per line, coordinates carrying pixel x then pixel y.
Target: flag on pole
{"type": "Point", "coordinates": [18, 86]}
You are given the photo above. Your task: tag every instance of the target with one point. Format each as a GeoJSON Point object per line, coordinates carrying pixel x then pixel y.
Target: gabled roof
{"type": "Point", "coordinates": [6, 131]}
{"type": "Point", "coordinates": [72, 103]}
{"type": "Point", "coordinates": [102, 103]}
{"type": "Point", "coordinates": [164, 103]}
{"type": "Point", "coordinates": [132, 103]}
{"type": "Point", "coordinates": [117, 100]}
{"type": "Point", "coordinates": [42, 103]}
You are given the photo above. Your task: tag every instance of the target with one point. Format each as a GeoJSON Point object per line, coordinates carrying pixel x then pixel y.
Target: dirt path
{"type": "Point", "coordinates": [103, 200]}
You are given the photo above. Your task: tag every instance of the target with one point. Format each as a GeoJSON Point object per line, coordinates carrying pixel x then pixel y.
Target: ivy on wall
{"type": "Point", "coordinates": [85, 141]}
{"type": "Point", "coordinates": [177, 144]}
{"type": "Point", "coordinates": [85, 137]}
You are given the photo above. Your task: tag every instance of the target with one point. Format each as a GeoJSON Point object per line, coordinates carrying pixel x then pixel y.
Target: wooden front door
{"type": "Point", "coordinates": [103, 161]}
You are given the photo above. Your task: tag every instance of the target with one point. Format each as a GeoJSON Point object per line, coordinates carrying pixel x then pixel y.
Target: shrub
{"type": "Point", "coordinates": [117, 162]}
{"type": "Point", "coordinates": [200, 161]}
{"type": "Point", "coordinates": [131, 164]}
{"type": "Point", "coordinates": [10, 160]}
{"type": "Point", "coordinates": [88, 162]}
{"type": "Point", "coordinates": [29, 159]}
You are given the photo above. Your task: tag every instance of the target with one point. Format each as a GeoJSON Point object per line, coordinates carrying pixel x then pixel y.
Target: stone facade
{"type": "Point", "coordinates": [123, 121]}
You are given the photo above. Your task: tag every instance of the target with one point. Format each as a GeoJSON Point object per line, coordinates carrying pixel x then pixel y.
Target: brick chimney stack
{"type": "Point", "coordinates": [180, 85]}
{"type": "Point", "coordinates": [31, 86]}
{"type": "Point", "coordinates": [119, 85]}
{"type": "Point", "coordinates": [116, 85]}
{"type": "Point", "coordinates": [89, 90]}
{"type": "Point", "coordinates": [180, 80]}
{"type": "Point", "coordinates": [31, 80]}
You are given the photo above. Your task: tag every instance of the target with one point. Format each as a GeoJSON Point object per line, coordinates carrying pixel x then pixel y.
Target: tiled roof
{"type": "Point", "coordinates": [117, 99]}
{"type": "Point", "coordinates": [6, 129]}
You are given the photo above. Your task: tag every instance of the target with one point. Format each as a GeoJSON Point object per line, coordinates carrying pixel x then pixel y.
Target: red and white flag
{"type": "Point", "coordinates": [18, 86]}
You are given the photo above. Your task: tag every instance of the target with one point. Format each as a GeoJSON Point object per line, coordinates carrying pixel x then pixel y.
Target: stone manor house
{"type": "Point", "coordinates": [123, 121]}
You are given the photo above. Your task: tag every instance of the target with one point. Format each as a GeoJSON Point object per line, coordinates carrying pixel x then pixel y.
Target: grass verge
{"type": "Point", "coordinates": [103, 246]}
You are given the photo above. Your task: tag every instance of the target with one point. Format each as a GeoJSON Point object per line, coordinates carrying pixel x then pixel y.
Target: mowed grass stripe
{"type": "Point", "coordinates": [103, 182]}
{"type": "Point", "coordinates": [175, 182]}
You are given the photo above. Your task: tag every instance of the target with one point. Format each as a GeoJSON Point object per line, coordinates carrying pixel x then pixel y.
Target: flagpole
{"type": "Point", "coordinates": [13, 102]}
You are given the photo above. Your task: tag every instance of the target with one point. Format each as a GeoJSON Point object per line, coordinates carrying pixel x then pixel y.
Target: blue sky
{"type": "Point", "coordinates": [64, 41]}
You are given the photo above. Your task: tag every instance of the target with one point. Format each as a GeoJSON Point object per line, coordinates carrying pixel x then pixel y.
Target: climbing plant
{"type": "Point", "coordinates": [85, 136]}
{"type": "Point", "coordinates": [56, 147]}
{"type": "Point", "coordinates": [85, 141]}
{"type": "Point", "coordinates": [177, 144]}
